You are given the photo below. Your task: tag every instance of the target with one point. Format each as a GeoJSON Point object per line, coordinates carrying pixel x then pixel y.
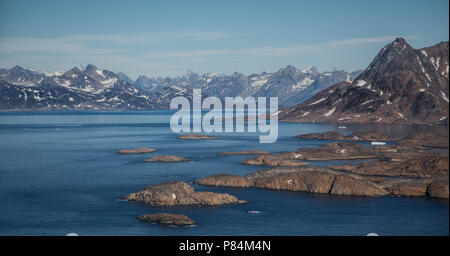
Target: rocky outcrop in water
{"type": "Point", "coordinates": [167, 219]}
{"type": "Point", "coordinates": [425, 140]}
{"type": "Point", "coordinates": [136, 151]}
{"type": "Point", "coordinates": [409, 188]}
{"type": "Point", "coordinates": [425, 166]}
{"type": "Point", "coordinates": [326, 181]}
{"type": "Point", "coordinates": [322, 136]}
{"type": "Point", "coordinates": [225, 180]}
{"type": "Point", "coordinates": [356, 136]}
{"type": "Point", "coordinates": [439, 189]}
{"type": "Point", "coordinates": [164, 158]}
{"type": "Point", "coordinates": [335, 151]}
{"type": "Point", "coordinates": [273, 160]}
{"type": "Point", "coordinates": [305, 179]}
{"type": "Point", "coordinates": [180, 193]}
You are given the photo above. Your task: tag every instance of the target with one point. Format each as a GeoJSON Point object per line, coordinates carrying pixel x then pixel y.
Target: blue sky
{"type": "Point", "coordinates": [168, 38]}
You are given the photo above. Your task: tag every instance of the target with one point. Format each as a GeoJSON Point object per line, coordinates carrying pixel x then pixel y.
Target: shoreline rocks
{"type": "Point", "coordinates": [198, 137]}
{"type": "Point", "coordinates": [322, 136]}
{"type": "Point", "coordinates": [273, 160]}
{"type": "Point", "coordinates": [313, 179]}
{"type": "Point", "coordinates": [136, 151]}
{"type": "Point", "coordinates": [425, 140]}
{"type": "Point", "coordinates": [439, 189]}
{"type": "Point", "coordinates": [303, 179]}
{"type": "Point", "coordinates": [167, 219]}
{"type": "Point", "coordinates": [225, 180]}
{"type": "Point", "coordinates": [356, 136]}
{"type": "Point", "coordinates": [422, 167]}
{"type": "Point", "coordinates": [336, 151]}
{"type": "Point", "coordinates": [173, 193]}
{"type": "Point", "coordinates": [167, 158]}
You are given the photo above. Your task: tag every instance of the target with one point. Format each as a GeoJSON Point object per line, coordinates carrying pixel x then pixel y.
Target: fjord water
{"type": "Point", "coordinates": [59, 173]}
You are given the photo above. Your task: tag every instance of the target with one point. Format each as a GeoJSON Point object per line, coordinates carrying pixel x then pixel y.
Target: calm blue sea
{"type": "Point", "coordinates": [59, 173]}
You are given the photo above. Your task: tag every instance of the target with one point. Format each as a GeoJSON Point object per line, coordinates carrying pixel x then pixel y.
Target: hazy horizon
{"type": "Point", "coordinates": [168, 38]}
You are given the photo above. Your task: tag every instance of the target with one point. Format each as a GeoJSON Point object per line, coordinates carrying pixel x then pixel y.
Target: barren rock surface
{"type": "Point", "coordinates": [164, 158]}
{"type": "Point", "coordinates": [336, 151]}
{"type": "Point", "coordinates": [427, 166]}
{"type": "Point", "coordinates": [225, 180]}
{"type": "Point", "coordinates": [179, 193]}
{"type": "Point", "coordinates": [167, 219]}
{"type": "Point", "coordinates": [439, 189]}
{"type": "Point", "coordinates": [136, 151]}
{"type": "Point", "coordinates": [356, 136]}
{"type": "Point", "coordinates": [273, 160]}
{"type": "Point", "coordinates": [420, 140]}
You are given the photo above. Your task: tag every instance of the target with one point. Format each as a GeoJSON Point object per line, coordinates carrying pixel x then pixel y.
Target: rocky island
{"type": "Point", "coordinates": [136, 151]}
{"type": "Point", "coordinates": [403, 169]}
{"type": "Point", "coordinates": [326, 181]}
{"type": "Point", "coordinates": [167, 219]}
{"type": "Point", "coordinates": [356, 136]}
{"type": "Point", "coordinates": [173, 193]}
{"type": "Point", "coordinates": [423, 167]}
{"type": "Point", "coordinates": [273, 160]}
{"type": "Point", "coordinates": [166, 158]}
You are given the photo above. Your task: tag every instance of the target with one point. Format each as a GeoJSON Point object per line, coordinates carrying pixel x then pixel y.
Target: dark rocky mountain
{"type": "Point", "coordinates": [401, 85]}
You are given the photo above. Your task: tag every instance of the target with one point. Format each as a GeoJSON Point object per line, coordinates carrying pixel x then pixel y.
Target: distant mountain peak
{"type": "Point", "coordinates": [90, 67]}
{"type": "Point", "coordinates": [398, 46]}
{"type": "Point", "coordinates": [17, 68]}
{"type": "Point", "coordinates": [122, 76]}
{"type": "Point", "coordinates": [289, 69]}
{"type": "Point", "coordinates": [310, 70]}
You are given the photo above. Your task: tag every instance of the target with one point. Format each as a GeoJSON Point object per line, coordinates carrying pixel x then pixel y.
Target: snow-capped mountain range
{"type": "Point", "coordinates": [92, 88]}
{"type": "Point", "coordinates": [289, 84]}
{"type": "Point", "coordinates": [401, 85]}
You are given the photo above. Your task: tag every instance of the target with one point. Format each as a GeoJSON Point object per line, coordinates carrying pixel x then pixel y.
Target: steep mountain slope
{"type": "Point", "coordinates": [401, 85]}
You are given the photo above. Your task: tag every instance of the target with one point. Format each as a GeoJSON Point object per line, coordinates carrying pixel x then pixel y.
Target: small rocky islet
{"type": "Point", "coordinates": [136, 151]}
{"type": "Point", "coordinates": [174, 193]}
{"type": "Point", "coordinates": [167, 158]}
{"type": "Point", "coordinates": [169, 219]}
